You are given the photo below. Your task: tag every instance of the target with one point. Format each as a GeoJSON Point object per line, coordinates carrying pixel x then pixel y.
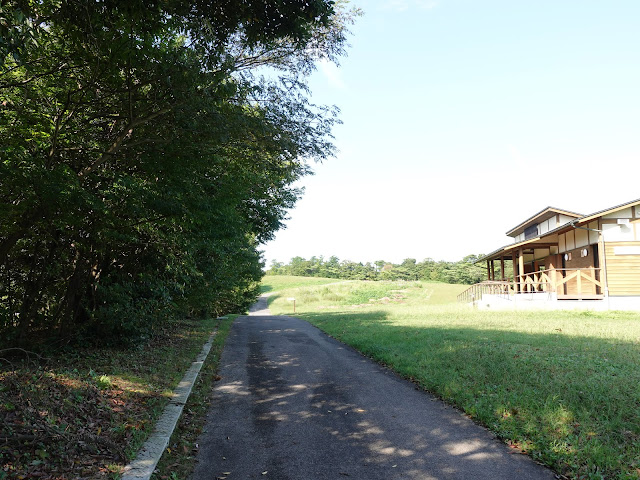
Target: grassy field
{"type": "Point", "coordinates": [285, 282]}
{"type": "Point", "coordinates": [564, 387]}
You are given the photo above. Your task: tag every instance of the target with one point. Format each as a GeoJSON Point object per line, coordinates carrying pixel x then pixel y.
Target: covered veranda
{"type": "Point", "coordinates": [534, 266]}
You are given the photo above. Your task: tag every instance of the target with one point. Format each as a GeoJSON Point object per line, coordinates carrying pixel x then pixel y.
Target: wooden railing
{"type": "Point", "coordinates": [489, 287]}
{"type": "Point", "coordinates": [561, 281]}
{"type": "Point", "coordinates": [564, 282]}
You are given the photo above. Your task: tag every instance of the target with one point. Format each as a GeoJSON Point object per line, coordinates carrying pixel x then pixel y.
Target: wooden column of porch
{"type": "Point", "coordinates": [586, 280]}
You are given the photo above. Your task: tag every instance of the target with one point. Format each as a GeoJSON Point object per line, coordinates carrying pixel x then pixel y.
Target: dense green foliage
{"type": "Point", "coordinates": [146, 150]}
{"type": "Point", "coordinates": [464, 271]}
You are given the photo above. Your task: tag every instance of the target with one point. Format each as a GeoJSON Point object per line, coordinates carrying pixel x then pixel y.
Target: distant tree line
{"type": "Point", "coordinates": [146, 150]}
{"type": "Point", "coordinates": [465, 271]}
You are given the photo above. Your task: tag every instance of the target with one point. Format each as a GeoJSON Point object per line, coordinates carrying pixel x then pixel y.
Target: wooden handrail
{"type": "Point", "coordinates": [541, 281]}
{"type": "Point", "coordinates": [475, 292]}
{"type": "Point", "coordinates": [533, 281]}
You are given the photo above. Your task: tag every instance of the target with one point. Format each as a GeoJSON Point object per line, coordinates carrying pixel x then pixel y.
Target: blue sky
{"type": "Point", "coordinates": [462, 118]}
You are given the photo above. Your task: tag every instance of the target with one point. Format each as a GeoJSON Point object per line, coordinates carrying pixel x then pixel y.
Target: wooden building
{"type": "Point", "coordinates": [557, 255]}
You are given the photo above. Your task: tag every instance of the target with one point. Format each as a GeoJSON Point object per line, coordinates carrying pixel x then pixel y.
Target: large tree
{"type": "Point", "coordinates": [146, 149]}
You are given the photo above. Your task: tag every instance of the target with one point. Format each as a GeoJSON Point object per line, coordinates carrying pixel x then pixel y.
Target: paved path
{"type": "Point", "coordinates": [295, 404]}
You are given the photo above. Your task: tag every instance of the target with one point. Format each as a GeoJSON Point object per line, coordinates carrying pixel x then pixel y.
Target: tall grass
{"type": "Point", "coordinates": [312, 292]}
{"type": "Point", "coordinates": [562, 386]}
{"type": "Point", "coordinates": [274, 283]}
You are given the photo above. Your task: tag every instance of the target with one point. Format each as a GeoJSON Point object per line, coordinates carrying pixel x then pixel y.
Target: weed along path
{"type": "Point", "coordinates": [296, 404]}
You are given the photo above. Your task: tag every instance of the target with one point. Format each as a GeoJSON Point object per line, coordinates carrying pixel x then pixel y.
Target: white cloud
{"type": "Point", "coordinates": [332, 73]}
{"type": "Point", "coordinates": [396, 5]}
{"type": "Point", "coordinates": [426, 4]}
{"type": "Point", "coordinates": [404, 5]}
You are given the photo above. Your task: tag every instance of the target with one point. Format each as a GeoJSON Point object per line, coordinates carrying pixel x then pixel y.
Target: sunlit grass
{"type": "Point", "coordinates": [313, 293]}
{"type": "Point", "coordinates": [563, 386]}
{"type": "Point", "coordinates": [272, 283]}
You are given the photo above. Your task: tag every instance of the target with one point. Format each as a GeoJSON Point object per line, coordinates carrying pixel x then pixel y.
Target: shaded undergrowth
{"type": "Point", "coordinates": [84, 413]}
{"type": "Point", "coordinates": [179, 458]}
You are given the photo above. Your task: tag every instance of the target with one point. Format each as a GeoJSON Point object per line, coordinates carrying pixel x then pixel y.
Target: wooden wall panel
{"type": "Point", "coordinates": [635, 224]}
{"type": "Point", "coordinates": [582, 238]}
{"type": "Point", "coordinates": [577, 261]}
{"type": "Point", "coordinates": [623, 270]}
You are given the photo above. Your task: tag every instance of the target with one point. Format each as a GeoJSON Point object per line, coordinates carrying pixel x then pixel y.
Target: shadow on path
{"type": "Point", "coordinates": [296, 404]}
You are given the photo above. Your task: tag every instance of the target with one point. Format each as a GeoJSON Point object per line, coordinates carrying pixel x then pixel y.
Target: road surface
{"type": "Point", "coordinates": [295, 404]}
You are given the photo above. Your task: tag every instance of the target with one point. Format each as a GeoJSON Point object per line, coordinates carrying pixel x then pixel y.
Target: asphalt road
{"type": "Point", "coordinates": [295, 404]}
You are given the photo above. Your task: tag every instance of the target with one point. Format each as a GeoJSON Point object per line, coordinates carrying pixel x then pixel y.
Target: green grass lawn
{"type": "Point", "coordinates": [562, 386]}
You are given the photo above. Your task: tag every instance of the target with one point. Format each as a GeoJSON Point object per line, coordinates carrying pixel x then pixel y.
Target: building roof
{"type": "Point", "coordinates": [541, 216]}
{"type": "Point", "coordinates": [545, 237]}
{"type": "Point", "coordinates": [601, 213]}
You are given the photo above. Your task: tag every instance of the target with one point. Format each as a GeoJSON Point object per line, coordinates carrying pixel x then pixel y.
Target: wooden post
{"type": "Point", "coordinates": [602, 252]}
{"type": "Point", "coordinates": [514, 267]}
{"type": "Point", "coordinates": [502, 268]}
{"type": "Point", "coordinates": [488, 270]}
{"type": "Point", "coordinates": [579, 280]}
{"type": "Point", "coordinates": [521, 266]}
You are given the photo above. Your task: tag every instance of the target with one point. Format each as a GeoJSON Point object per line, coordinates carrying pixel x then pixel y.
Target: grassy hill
{"type": "Point", "coordinates": [278, 283]}
{"type": "Point", "coordinates": [312, 293]}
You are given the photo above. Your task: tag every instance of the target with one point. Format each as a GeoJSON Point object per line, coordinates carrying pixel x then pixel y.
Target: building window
{"type": "Point", "coordinates": [531, 232]}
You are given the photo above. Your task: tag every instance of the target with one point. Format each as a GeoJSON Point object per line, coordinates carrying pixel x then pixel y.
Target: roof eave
{"type": "Point", "coordinates": [602, 213]}
{"type": "Point", "coordinates": [540, 213]}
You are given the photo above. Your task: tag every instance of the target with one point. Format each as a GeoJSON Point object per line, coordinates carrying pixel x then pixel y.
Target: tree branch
{"type": "Point", "coordinates": [26, 352]}
{"type": "Point", "coordinates": [115, 146]}
{"type": "Point", "coordinates": [39, 75]}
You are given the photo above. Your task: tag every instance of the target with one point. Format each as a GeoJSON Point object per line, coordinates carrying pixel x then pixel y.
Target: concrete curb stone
{"type": "Point", "coordinates": [142, 467]}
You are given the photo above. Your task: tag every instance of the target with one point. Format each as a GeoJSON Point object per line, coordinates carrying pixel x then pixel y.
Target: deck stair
{"type": "Point", "coordinates": [488, 287]}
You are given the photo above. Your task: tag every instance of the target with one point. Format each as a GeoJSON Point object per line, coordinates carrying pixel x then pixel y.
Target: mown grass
{"type": "Point", "coordinates": [562, 386]}
{"type": "Point", "coordinates": [84, 413]}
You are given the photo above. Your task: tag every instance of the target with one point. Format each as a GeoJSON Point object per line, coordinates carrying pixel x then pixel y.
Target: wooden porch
{"type": "Point", "coordinates": [563, 283]}
{"type": "Point", "coordinates": [566, 283]}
